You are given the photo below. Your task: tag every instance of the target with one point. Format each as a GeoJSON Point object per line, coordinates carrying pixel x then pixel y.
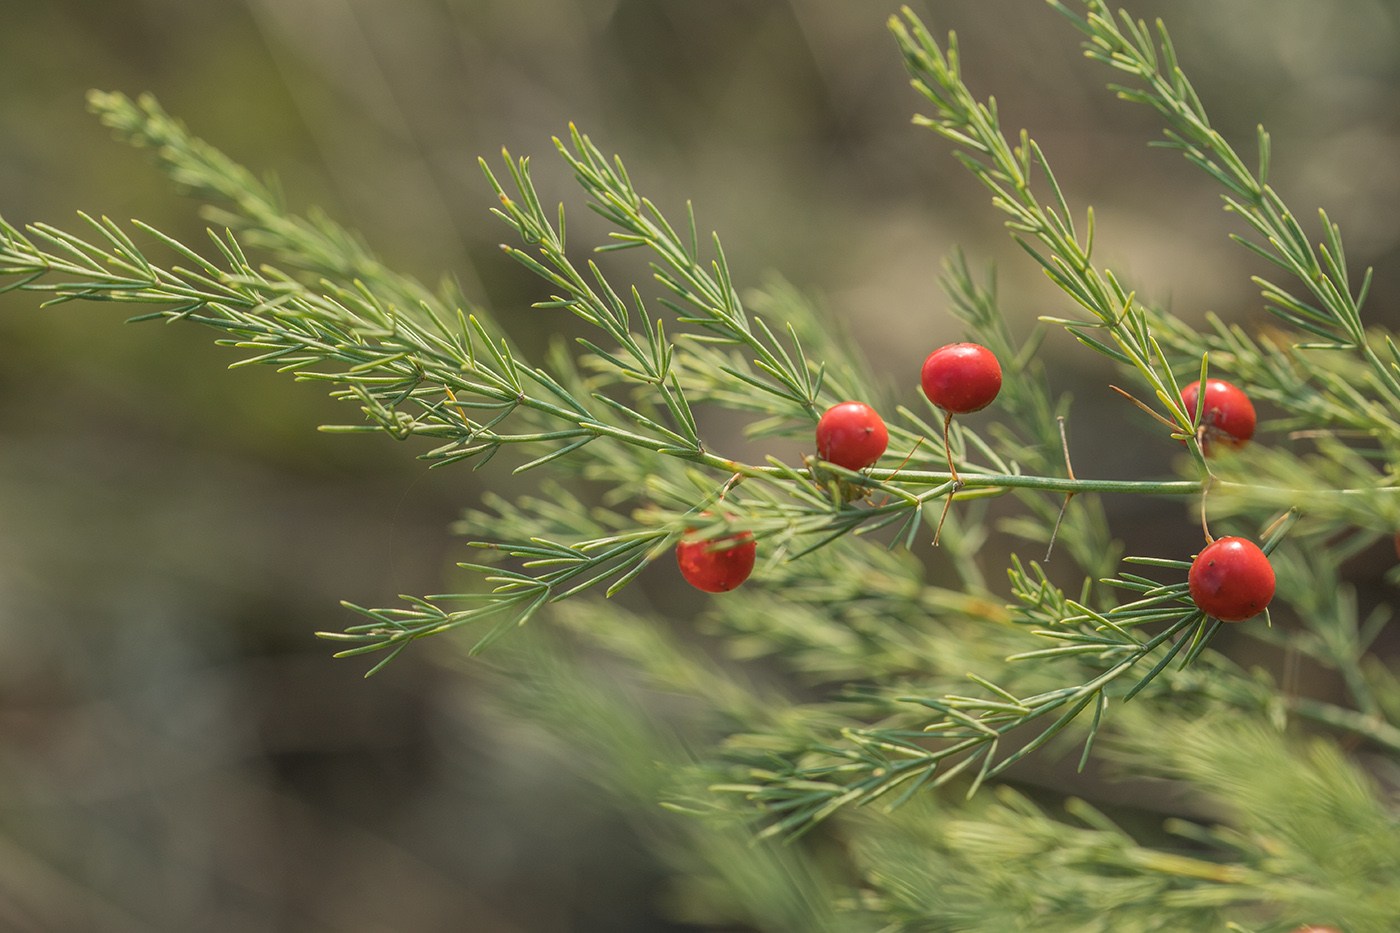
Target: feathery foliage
{"type": "Point", "coordinates": [846, 678]}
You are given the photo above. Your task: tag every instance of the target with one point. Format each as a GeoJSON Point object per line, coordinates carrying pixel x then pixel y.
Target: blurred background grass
{"type": "Point", "coordinates": [177, 752]}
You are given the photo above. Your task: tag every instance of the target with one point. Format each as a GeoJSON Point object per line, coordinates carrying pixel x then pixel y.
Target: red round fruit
{"type": "Point", "coordinates": [961, 377]}
{"type": "Point", "coordinates": [851, 435]}
{"type": "Point", "coordinates": [1228, 414]}
{"type": "Point", "coordinates": [716, 565]}
{"type": "Point", "coordinates": [1231, 580]}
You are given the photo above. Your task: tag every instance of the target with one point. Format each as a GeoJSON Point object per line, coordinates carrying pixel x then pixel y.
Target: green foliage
{"type": "Point", "coordinates": [1307, 838]}
{"type": "Point", "coordinates": [841, 678]}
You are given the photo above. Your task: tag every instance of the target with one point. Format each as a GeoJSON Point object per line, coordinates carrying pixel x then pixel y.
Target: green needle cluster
{"type": "Point", "coordinates": [893, 690]}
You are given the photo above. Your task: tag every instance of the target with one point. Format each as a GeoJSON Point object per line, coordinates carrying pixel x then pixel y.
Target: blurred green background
{"type": "Point", "coordinates": [177, 752]}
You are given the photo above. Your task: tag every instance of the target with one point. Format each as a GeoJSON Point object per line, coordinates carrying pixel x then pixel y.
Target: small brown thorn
{"type": "Point", "coordinates": [953, 471]}
{"type": "Point", "coordinates": [1064, 445]}
{"type": "Point", "coordinates": [946, 506]}
{"type": "Point", "coordinates": [901, 466]}
{"type": "Point", "coordinates": [1264, 535]}
{"type": "Point", "coordinates": [1069, 468]}
{"type": "Point", "coordinates": [1144, 407]}
{"type": "Point", "coordinates": [1056, 532]}
{"type": "Point", "coordinates": [913, 450]}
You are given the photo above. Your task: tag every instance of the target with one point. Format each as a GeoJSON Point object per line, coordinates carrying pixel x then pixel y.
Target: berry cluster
{"type": "Point", "coordinates": [959, 378]}
{"type": "Point", "coordinates": [1231, 579]}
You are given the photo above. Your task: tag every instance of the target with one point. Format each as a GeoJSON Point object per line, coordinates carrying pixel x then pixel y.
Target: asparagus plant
{"type": "Point", "coordinates": [880, 799]}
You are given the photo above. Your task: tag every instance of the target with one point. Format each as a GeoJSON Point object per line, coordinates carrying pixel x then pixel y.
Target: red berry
{"type": "Point", "coordinates": [851, 435]}
{"type": "Point", "coordinates": [1231, 580]}
{"type": "Point", "coordinates": [1228, 414]}
{"type": "Point", "coordinates": [715, 565]}
{"type": "Point", "coordinates": [961, 377]}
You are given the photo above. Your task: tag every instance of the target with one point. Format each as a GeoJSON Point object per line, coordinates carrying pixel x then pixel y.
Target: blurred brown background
{"type": "Point", "coordinates": [177, 752]}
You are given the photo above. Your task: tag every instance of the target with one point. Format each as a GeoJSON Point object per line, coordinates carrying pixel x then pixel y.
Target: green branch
{"type": "Point", "coordinates": [970, 729]}
{"type": "Point", "coordinates": [975, 130]}
{"type": "Point", "coordinates": [1334, 313]}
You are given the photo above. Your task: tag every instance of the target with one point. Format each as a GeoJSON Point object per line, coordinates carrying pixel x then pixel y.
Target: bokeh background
{"type": "Point", "coordinates": [177, 751]}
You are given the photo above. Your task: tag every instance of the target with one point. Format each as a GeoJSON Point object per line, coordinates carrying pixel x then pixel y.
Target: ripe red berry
{"type": "Point", "coordinates": [961, 377]}
{"type": "Point", "coordinates": [715, 565]}
{"type": "Point", "coordinates": [851, 435]}
{"type": "Point", "coordinates": [1231, 580]}
{"type": "Point", "coordinates": [1227, 416]}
